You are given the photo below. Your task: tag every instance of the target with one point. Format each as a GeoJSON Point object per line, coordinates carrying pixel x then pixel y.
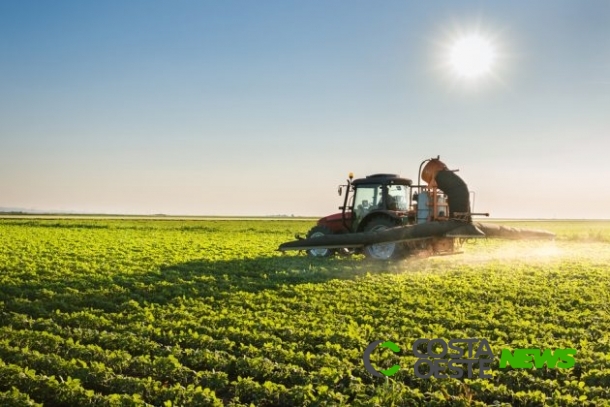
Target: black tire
{"type": "Point", "coordinates": [319, 231]}
{"type": "Point", "coordinates": [383, 251]}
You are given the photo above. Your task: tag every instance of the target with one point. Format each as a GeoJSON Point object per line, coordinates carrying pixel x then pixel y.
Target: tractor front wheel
{"type": "Point", "coordinates": [317, 231]}
{"type": "Point", "coordinates": [382, 251]}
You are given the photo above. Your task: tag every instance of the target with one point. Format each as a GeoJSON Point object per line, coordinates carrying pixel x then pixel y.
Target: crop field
{"type": "Point", "coordinates": [137, 312]}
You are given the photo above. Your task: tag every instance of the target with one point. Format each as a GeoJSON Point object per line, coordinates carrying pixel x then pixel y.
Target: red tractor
{"type": "Point", "coordinates": [384, 216]}
{"type": "Point", "coordinates": [382, 201]}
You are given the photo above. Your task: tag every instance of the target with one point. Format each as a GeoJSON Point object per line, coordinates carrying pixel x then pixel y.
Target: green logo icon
{"type": "Point", "coordinates": [366, 358]}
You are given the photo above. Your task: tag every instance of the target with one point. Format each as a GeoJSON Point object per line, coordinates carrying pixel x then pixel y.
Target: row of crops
{"type": "Point", "coordinates": [206, 313]}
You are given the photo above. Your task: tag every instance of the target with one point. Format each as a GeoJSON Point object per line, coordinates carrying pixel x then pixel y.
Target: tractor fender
{"type": "Point", "coordinates": [380, 213]}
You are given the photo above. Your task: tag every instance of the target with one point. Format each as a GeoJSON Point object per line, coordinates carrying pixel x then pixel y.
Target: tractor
{"type": "Point", "coordinates": [382, 201]}
{"type": "Point", "coordinates": [385, 216]}
{"type": "Point", "coordinates": [373, 203]}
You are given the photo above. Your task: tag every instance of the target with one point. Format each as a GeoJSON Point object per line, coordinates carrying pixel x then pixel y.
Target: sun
{"type": "Point", "coordinates": [472, 56]}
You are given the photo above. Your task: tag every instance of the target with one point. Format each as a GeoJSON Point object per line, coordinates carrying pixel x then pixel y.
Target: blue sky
{"type": "Point", "coordinates": [258, 108]}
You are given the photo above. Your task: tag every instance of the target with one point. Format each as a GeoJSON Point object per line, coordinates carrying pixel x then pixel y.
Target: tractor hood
{"type": "Point", "coordinates": [334, 217]}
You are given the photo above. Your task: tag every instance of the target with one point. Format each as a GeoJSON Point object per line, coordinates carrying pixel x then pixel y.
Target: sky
{"type": "Point", "coordinates": [263, 108]}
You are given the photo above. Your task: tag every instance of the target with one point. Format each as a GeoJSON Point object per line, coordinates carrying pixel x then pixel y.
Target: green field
{"type": "Point", "coordinates": [135, 312]}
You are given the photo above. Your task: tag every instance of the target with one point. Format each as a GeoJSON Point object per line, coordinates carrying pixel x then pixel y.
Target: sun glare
{"type": "Point", "coordinates": [472, 56]}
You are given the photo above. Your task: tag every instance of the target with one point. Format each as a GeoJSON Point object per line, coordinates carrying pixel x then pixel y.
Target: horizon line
{"type": "Point", "coordinates": [66, 215]}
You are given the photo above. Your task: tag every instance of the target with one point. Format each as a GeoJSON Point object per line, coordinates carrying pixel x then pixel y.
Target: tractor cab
{"type": "Point", "coordinates": [386, 194]}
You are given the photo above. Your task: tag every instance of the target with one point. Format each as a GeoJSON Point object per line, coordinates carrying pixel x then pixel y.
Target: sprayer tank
{"type": "Point", "coordinates": [423, 210]}
{"type": "Point", "coordinates": [425, 206]}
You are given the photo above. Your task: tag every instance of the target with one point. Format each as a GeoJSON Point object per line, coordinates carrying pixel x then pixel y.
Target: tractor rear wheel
{"type": "Point", "coordinates": [382, 251]}
{"type": "Point", "coordinates": [317, 231]}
